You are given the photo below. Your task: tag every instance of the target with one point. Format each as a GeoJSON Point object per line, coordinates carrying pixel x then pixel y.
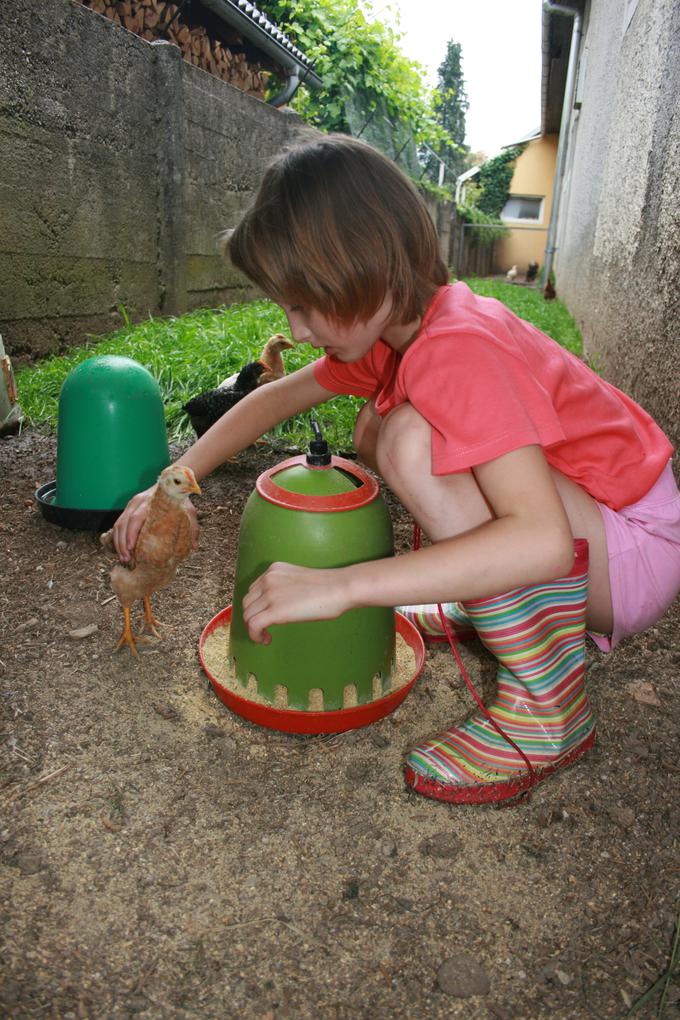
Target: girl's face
{"type": "Point", "coordinates": [346, 343]}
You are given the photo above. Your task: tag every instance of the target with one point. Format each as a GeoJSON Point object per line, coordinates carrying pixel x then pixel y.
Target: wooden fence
{"type": "Point", "coordinates": [470, 255]}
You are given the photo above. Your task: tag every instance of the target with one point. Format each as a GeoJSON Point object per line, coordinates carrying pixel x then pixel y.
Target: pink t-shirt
{"type": "Point", "coordinates": [488, 382]}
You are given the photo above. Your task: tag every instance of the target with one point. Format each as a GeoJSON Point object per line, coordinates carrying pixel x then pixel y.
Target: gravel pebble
{"type": "Point", "coordinates": [461, 975]}
{"type": "Point", "coordinates": [10, 994]}
{"type": "Point", "coordinates": [29, 864]}
{"type": "Point", "coordinates": [215, 732]}
{"type": "Point", "coordinates": [136, 1004]}
{"type": "Point", "coordinates": [165, 710]}
{"type": "Point", "coordinates": [445, 845]}
{"type": "Point", "coordinates": [624, 817]}
{"type": "Point", "coordinates": [379, 740]}
{"type": "Point", "coordinates": [83, 632]}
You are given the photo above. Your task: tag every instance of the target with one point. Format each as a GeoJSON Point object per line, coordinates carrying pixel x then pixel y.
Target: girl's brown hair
{"type": "Point", "coordinates": [336, 226]}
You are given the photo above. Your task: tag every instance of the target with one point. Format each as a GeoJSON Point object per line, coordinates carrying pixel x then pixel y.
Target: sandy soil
{"type": "Point", "coordinates": [161, 857]}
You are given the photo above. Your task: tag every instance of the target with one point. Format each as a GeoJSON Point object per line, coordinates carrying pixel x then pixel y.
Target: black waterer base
{"type": "Point", "coordinates": [67, 517]}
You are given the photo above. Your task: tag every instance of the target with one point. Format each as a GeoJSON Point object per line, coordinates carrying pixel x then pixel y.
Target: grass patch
{"type": "Point", "coordinates": [660, 988]}
{"type": "Point", "coordinates": [193, 353]}
{"type": "Point", "coordinates": [188, 355]}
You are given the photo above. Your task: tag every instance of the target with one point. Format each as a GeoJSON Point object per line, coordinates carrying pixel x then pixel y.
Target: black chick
{"type": "Point", "coordinates": [532, 272]}
{"type": "Point", "coordinates": [205, 409]}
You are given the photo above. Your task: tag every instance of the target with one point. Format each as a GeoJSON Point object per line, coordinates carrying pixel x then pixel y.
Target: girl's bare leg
{"type": "Point", "coordinates": [399, 448]}
{"type": "Point", "coordinates": [365, 439]}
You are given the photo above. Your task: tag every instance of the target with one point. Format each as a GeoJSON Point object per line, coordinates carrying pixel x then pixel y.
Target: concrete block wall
{"type": "Point", "coordinates": [121, 165]}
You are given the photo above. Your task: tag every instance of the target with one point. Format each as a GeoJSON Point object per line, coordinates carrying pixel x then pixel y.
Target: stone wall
{"type": "Point", "coordinates": [618, 258]}
{"type": "Point", "coordinates": [121, 165]}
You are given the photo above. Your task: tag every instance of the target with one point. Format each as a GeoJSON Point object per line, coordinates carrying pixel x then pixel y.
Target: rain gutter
{"type": "Point", "coordinates": [256, 27]}
{"type": "Point", "coordinates": [568, 102]}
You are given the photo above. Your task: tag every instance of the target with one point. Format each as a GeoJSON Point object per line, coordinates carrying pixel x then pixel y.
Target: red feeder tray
{"type": "Point", "coordinates": [291, 720]}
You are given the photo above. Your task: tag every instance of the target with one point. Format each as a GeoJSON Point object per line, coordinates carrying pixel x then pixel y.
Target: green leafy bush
{"type": "Point", "coordinates": [370, 88]}
{"type": "Point", "coordinates": [492, 228]}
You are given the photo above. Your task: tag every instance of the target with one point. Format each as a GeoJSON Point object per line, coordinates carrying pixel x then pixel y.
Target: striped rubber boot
{"type": "Point", "coordinates": [537, 634]}
{"type": "Point", "coordinates": [428, 621]}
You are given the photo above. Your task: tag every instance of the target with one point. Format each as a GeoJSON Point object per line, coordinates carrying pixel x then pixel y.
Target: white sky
{"type": "Point", "coordinates": [501, 59]}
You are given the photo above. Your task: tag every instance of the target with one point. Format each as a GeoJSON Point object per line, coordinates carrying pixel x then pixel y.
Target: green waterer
{"type": "Point", "coordinates": [111, 442]}
{"type": "Point", "coordinates": [319, 511]}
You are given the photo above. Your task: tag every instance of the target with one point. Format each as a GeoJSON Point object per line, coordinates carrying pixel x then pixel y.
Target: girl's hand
{"type": "Point", "coordinates": [128, 526]}
{"type": "Point", "coordinates": [286, 593]}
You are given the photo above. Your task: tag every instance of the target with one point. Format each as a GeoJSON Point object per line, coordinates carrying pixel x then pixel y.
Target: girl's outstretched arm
{"type": "Point", "coordinates": [527, 540]}
{"type": "Point", "coordinates": [252, 416]}
{"type": "Point", "coordinates": [249, 419]}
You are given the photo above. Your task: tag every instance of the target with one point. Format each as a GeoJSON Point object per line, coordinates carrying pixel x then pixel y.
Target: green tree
{"type": "Point", "coordinates": [370, 89]}
{"type": "Point", "coordinates": [450, 106]}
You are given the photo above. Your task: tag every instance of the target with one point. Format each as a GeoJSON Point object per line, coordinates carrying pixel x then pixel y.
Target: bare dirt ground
{"type": "Point", "coordinates": [161, 857]}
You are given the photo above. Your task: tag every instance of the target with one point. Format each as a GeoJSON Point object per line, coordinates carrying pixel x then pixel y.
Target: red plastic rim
{"type": "Point", "coordinates": [364, 493]}
{"type": "Point", "coordinates": [291, 720]}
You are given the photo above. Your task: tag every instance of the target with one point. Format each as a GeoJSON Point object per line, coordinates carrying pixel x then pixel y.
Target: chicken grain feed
{"type": "Point", "coordinates": [221, 668]}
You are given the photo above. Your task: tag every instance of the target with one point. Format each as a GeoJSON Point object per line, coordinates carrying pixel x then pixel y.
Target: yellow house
{"type": "Point", "coordinates": [527, 211]}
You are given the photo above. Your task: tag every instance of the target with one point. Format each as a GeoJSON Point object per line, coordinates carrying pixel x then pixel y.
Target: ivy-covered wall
{"type": "Point", "coordinates": [494, 180]}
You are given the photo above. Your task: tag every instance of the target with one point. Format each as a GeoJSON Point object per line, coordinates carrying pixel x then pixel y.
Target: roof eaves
{"type": "Point", "coordinates": [529, 137]}
{"type": "Point", "coordinates": [545, 68]}
{"type": "Point", "coordinates": [263, 33]}
{"type": "Point", "coordinates": [555, 44]}
{"type": "Point", "coordinates": [467, 174]}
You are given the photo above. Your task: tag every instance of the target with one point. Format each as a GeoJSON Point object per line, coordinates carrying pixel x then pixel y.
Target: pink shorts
{"type": "Point", "coordinates": [643, 542]}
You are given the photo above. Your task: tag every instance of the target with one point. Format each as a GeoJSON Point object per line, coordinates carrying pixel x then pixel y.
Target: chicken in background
{"type": "Point", "coordinates": [164, 541]}
{"type": "Point", "coordinates": [511, 274]}
{"type": "Point", "coordinates": [532, 272]}
{"type": "Point", "coordinates": [205, 409]}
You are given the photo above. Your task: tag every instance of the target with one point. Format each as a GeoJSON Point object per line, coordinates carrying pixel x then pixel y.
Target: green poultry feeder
{"type": "Point", "coordinates": [111, 442]}
{"type": "Point", "coordinates": [316, 511]}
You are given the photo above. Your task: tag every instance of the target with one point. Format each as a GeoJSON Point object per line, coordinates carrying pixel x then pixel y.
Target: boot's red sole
{"type": "Point", "coordinates": [493, 793]}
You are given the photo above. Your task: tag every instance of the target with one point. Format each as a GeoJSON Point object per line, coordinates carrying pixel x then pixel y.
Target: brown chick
{"type": "Point", "coordinates": [271, 359]}
{"type": "Point", "coordinates": [162, 544]}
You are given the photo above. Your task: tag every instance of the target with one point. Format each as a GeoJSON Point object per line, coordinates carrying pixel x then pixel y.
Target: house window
{"type": "Point", "coordinates": [522, 207]}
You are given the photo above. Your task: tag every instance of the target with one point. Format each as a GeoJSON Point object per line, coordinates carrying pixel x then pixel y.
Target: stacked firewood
{"type": "Point", "coordinates": [156, 19]}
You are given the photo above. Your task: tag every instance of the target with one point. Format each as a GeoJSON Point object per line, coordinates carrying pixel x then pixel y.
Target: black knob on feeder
{"type": "Point", "coordinates": [319, 454]}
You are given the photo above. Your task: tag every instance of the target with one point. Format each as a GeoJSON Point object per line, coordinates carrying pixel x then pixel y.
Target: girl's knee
{"type": "Point", "coordinates": [404, 442]}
